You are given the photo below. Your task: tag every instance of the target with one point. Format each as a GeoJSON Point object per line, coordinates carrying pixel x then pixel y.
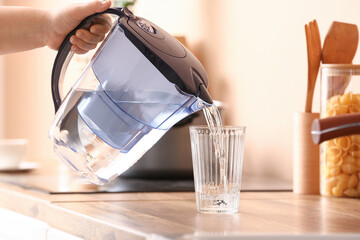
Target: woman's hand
{"type": "Point", "coordinates": [65, 20]}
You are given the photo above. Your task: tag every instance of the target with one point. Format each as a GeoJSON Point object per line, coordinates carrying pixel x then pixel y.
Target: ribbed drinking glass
{"type": "Point", "coordinates": [217, 154]}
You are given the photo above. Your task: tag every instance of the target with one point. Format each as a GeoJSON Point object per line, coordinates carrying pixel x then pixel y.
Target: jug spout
{"type": "Point", "coordinates": [199, 104]}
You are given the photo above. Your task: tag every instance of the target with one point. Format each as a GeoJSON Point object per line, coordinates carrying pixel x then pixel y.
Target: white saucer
{"type": "Point", "coordinates": [23, 166]}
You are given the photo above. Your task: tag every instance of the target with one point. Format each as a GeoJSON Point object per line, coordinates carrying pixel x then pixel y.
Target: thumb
{"type": "Point", "coordinates": [82, 11]}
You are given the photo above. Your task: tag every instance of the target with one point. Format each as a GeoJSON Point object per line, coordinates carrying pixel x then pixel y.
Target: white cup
{"type": "Point", "coordinates": [12, 152]}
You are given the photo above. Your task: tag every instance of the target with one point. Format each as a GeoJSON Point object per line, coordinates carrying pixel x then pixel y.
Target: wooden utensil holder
{"type": "Point", "coordinates": [305, 155]}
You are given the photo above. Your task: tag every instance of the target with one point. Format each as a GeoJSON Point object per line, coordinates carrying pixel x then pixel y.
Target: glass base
{"type": "Point", "coordinates": [226, 203]}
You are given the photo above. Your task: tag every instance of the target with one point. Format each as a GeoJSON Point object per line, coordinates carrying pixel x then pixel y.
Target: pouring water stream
{"type": "Point", "coordinates": [213, 119]}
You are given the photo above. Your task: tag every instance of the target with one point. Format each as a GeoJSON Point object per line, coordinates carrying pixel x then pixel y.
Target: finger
{"type": "Point", "coordinates": [102, 25]}
{"type": "Point", "coordinates": [99, 29]}
{"type": "Point", "coordinates": [81, 44]}
{"type": "Point", "coordinates": [104, 19]}
{"type": "Point", "coordinates": [77, 50]}
{"type": "Point", "coordinates": [89, 37]}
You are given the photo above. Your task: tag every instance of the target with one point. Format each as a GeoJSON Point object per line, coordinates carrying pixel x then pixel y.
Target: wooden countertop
{"type": "Point", "coordinates": [174, 216]}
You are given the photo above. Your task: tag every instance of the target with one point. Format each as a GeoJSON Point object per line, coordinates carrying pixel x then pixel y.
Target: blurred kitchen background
{"type": "Point", "coordinates": [254, 52]}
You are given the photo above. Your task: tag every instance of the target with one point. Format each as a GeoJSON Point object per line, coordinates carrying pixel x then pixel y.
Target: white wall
{"type": "Point", "coordinates": [2, 100]}
{"type": "Point", "coordinates": [28, 110]}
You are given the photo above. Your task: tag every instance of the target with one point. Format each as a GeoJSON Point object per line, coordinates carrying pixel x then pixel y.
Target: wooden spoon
{"type": "Point", "coordinates": [340, 47]}
{"type": "Point", "coordinates": [313, 44]}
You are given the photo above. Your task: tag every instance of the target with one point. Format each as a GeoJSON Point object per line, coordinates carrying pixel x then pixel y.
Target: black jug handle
{"type": "Point", "coordinates": [65, 50]}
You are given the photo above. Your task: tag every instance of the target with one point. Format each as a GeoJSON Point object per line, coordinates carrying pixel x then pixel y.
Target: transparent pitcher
{"type": "Point", "coordinates": [139, 83]}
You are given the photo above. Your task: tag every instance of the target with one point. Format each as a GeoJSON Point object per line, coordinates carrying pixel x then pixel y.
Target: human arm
{"type": "Point", "coordinates": [24, 28]}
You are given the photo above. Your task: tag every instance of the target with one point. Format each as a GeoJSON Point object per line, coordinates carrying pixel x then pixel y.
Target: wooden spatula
{"type": "Point", "coordinates": [340, 43]}
{"type": "Point", "coordinates": [340, 46]}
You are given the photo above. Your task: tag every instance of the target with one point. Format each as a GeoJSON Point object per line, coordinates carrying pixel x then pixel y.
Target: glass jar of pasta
{"type": "Point", "coordinates": [340, 157]}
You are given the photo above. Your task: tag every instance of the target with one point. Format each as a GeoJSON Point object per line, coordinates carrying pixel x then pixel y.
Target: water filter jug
{"type": "Point", "coordinates": [139, 83]}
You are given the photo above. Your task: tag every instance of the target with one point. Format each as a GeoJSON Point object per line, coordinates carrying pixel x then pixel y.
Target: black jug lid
{"type": "Point", "coordinates": [167, 54]}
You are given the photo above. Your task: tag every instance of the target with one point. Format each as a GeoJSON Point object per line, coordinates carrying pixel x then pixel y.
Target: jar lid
{"type": "Point", "coordinates": [340, 69]}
